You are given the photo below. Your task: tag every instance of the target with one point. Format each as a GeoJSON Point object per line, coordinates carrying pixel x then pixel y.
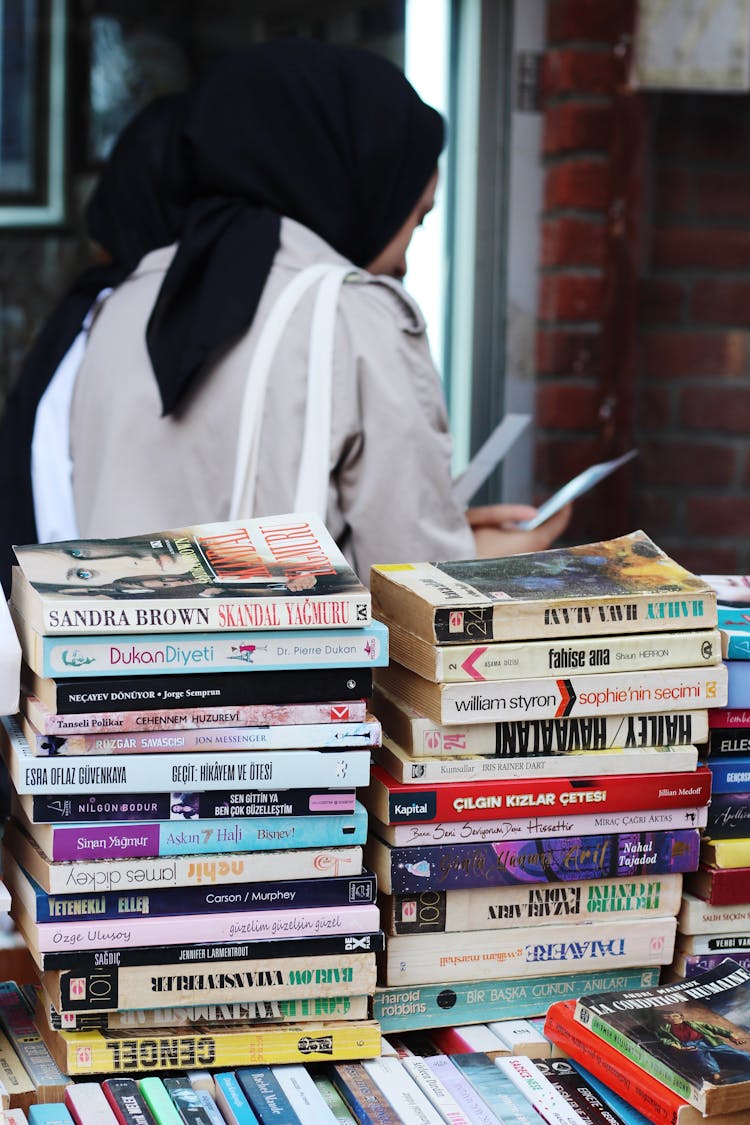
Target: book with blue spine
{"type": "Point", "coordinates": [263, 1090]}
{"type": "Point", "coordinates": [618, 1105]}
{"type": "Point", "coordinates": [304, 1096]}
{"type": "Point", "coordinates": [232, 1102]}
{"type": "Point", "coordinates": [738, 683]}
{"type": "Point", "coordinates": [730, 775]}
{"type": "Point", "coordinates": [496, 1089]}
{"type": "Point", "coordinates": [366, 1101]}
{"type": "Point", "coordinates": [155, 653]}
{"type": "Point", "coordinates": [132, 840]}
{"type": "Point", "coordinates": [55, 1114]}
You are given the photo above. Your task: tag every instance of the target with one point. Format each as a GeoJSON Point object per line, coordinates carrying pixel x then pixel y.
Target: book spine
{"type": "Point", "coordinates": [402, 1091]}
{"type": "Point", "coordinates": [697, 917]}
{"type": "Point", "coordinates": [238, 804]}
{"type": "Point", "coordinates": [15, 1117]}
{"type": "Point", "coordinates": [303, 1095]}
{"type": "Point", "coordinates": [689, 965]}
{"type": "Point", "coordinates": [562, 859]}
{"type": "Point", "coordinates": [269, 769]}
{"type": "Point", "coordinates": [233, 981]}
{"type": "Point", "coordinates": [468, 1040]}
{"type": "Point", "coordinates": [145, 654]}
{"type": "Point", "coordinates": [532, 659]}
{"type": "Point", "coordinates": [437, 1092]}
{"type": "Point", "coordinates": [624, 692]}
{"type": "Point", "coordinates": [346, 890]}
{"type": "Point", "coordinates": [729, 815]}
{"type": "Point", "coordinates": [427, 958]}
{"type": "Point", "coordinates": [87, 1103]}
{"type": "Point", "coordinates": [85, 960]}
{"type": "Point", "coordinates": [56, 1114]}
{"type": "Point", "coordinates": [127, 1101]}
{"type": "Point", "coordinates": [577, 1092]}
{"type": "Point", "coordinates": [198, 837]}
{"type": "Point", "coordinates": [368, 1104]}
{"type": "Point", "coordinates": [264, 1093]}
{"type": "Point", "coordinates": [189, 718]}
{"type": "Point", "coordinates": [435, 1005]}
{"type": "Point", "coordinates": [157, 1099]}
{"type": "Point", "coordinates": [727, 854]}
{"type": "Point", "coordinates": [539, 1091]}
{"type": "Point", "coordinates": [730, 775]}
{"type": "Point", "coordinates": [18, 1025]}
{"type": "Point", "coordinates": [332, 1098]}
{"type": "Point", "coordinates": [739, 682]}
{"type": "Point", "coordinates": [657, 1068]}
{"type": "Point", "coordinates": [727, 740]}
{"type": "Point", "coordinates": [211, 1109]}
{"type": "Point", "coordinates": [495, 1088]}
{"type": "Point", "coordinates": [262, 926]}
{"type": "Point", "coordinates": [520, 1037]}
{"type": "Point", "coordinates": [186, 1101]}
{"type": "Point", "coordinates": [15, 1078]}
{"type": "Point", "coordinates": [655, 759]}
{"type": "Point", "coordinates": [714, 943]}
{"type": "Point", "coordinates": [232, 1102]}
{"type": "Point", "coordinates": [721, 887]}
{"type": "Point", "coordinates": [533, 827]}
{"type": "Point", "coordinates": [625, 1114]}
{"type": "Point", "coordinates": [659, 1104]}
{"type": "Point", "coordinates": [461, 1090]}
{"type": "Point", "coordinates": [398, 803]}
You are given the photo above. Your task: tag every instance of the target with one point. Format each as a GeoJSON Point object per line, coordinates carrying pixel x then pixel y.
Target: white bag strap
{"type": "Point", "coordinates": [312, 480]}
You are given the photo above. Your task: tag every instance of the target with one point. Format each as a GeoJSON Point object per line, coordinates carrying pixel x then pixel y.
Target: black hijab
{"type": "Point", "coordinates": [333, 137]}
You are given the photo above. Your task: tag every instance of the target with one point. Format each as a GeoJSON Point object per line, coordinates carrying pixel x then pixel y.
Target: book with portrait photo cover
{"type": "Point", "coordinates": [274, 572]}
{"type": "Point", "coordinates": [692, 1035]}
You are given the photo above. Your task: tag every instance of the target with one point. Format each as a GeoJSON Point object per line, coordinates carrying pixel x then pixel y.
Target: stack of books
{"type": "Point", "coordinates": [678, 1053]}
{"type": "Point", "coordinates": [185, 850]}
{"type": "Point", "coordinates": [537, 777]}
{"type": "Point", "coordinates": [709, 930]}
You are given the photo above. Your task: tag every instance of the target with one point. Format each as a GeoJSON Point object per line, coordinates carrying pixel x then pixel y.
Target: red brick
{"type": "Point", "coordinates": [557, 460]}
{"type": "Point", "coordinates": [567, 406]}
{"type": "Point", "coordinates": [655, 513]}
{"type": "Point", "coordinates": [722, 248]}
{"type": "Point", "coordinates": [571, 297]}
{"type": "Point", "coordinates": [723, 194]}
{"type": "Point", "coordinates": [721, 516]}
{"type": "Point", "coordinates": [703, 129]}
{"type": "Point", "coordinates": [568, 352]}
{"type": "Point", "coordinates": [583, 184]}
{"type": "Point", "coordinates": [673, 191]}
{"type": "Point", "coordinates": [721, 302]}
{"type": "Point", "coordinates": [683, 355]}
{"type": "Point", "coordinates": [686, 463]}
{"type": "Point", "coordinates": [661, 301]}
{"type": "Point", "coordinates": [655, 410]}
{"type": "Point", "coordinates": [573, 242]}
{"type": "Point", "coordinates": [709, 560]}
{"type": "Point", "coordinates": [746, 470]}
{"type": "Point", "coordinates": [574, 71]}
{"type": "Point", "coordinates": [592, 20]}
{"type": "Point", "coordinates": [575, 125]}
{"type": "Point", "coordinates": [716, 408]}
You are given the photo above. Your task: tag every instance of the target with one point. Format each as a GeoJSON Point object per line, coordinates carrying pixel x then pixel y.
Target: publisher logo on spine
{"type": "Point", "coordinates": [320, 1045]}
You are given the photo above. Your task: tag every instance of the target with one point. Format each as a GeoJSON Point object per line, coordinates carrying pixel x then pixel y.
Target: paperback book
{"type": "Point", "coordinates": [720, 886]}
{"type": "Point", "coordinates": [277, 572]}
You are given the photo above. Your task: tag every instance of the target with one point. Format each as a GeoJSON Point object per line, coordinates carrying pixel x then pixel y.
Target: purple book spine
{"type": "Point", "coordinates": [562, 859]}
{"type": "Point", "coordinates": [462, 1090]}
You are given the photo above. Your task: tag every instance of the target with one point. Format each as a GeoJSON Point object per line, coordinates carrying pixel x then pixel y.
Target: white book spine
{"type": "Point", "coordinates": [429, 1082]}
{"type": "Point", "coordinates": [697, 917]}
{"type": "Point", "coordinates": [402, 1091]}
{"type": "Point", "coordinates": [536, 1087]}
{"type": "Point", "coordinates": [90, 1103]}
{"type": "Point", "coordinates": [521, 1038]}
{"type": "Point", "coordinates": [539, 827]}
{"type": "Point", "coordinates": [210, 1107]}
{"type": "Point", "coordinates": [303, 1095]}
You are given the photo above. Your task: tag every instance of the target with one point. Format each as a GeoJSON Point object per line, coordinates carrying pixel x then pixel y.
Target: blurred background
{"type": "Point", "coordinates": [589, 260]}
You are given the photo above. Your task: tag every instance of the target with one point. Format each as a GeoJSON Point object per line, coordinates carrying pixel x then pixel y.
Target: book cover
{"type": "Point", "coordinates": [621, 585]}
{"type": "Point", "coordinates": [264, 1093]}
{"type": "Point", "coordinates": [509, 660]}
{"type": "Point", "coordinates": [171, 719]}
{"type": "Point", "coordinates": [730, 717]}
{"type": "Point", "coordinates": [727, 740]}
{"type": "Point", "coordinates": [434, 958]}
{"type": "Point", "coordinates": [157, 1099]}
{"type": "Point", "coordinates": [731, 854]}
{"type": "Point", "coordinates": [521, 1037]}
{"type": "Point", "coordinates": [123, 875]}
{"type": "Point", "coordinates": [495, 1088]}
{"type": "Point", "coordinates": [461, 1090]}
{"type": "Point", "coordinates": [155, 653]}
{"type": "Point", "coordinates": [404, 1094]}
{"type": "Point", "coordinates": [540, 905]}
{"type": "Point", "coordinates": [435, 1090]}
{"type": "Point", "coordinates": [617, 1104]}
{"type": "Point", "coordinates": [436, 1005]}
{"type": "Point", "coordinates": [277, 572]}
{"type": "Point", "coordinates": [467, 1040]}
{"type": "Point", "coordinates": [729, 816]}
{"type": "Point", "coordinates": [697, 917]}
{"type": "Point", "coordinates": [187, 1101]}
{"type": "Point", "coordinates": [720, 886]}
{"type": "Point", "coordinates": [303, 1095]}
{"type": "Point", "coordinates": [559, 859]}
{"type": "Point", "coordinates": [730, 775]}
{"type": "Point", "coordinates": [693, 964]}
{"type": "Point", "coordinates": [127, 1102]}
{"type": "Point", "coordinates": [331, 1097]}
{"type": "Point", "coordinates": [579, 1093]}
{"type": "Point", "coordinates": [87, 1102]}
{"type": "Point", "coordinates": [142, 839]}
{"type": "Point", "coordinates": [208, 1102]}
{"type": "Point", "coordinates": [578, 763]}
{"type": "Point", "coordinates": [261, 769]}
{"type": "Point", "coordinates": [17, 1024]}
{"type": "Point", "coordinates": [545, 1096]}
{"type": "Point", "coordinates": [232, 1102]}
{"type": "Point", "coordinates": [553, 697]}
{"type": "Point", "coordinates": [54, 1114]}
{"type": "Point", "coordinates": [102, 694]}
{"type": "Point", "coordinates": [693, 1036]}
{"type": "Point", "coordinates": [337, 891]}
{"type": "Point", "coordinates": [277, 978]}
{"type": "Point", "coordinates": [366, 1101]}
{"type": "Point", "coordinates": [733, 603]}
{"type": "Point", "coordinates": [714, 943]}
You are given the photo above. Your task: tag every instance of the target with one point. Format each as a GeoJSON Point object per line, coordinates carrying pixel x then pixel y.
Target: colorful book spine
{"type": "Point", "coordinates": [732, 854]}
{"type": "Point", "coordinates": [427, 958]}
{"type": "Point", "coordinates": [577, 1092]}
{"type": "Point", "coordinates": [196, 717]}
{"type": "Point", "coordinates": [232, 1102]}
{"type": "Point", "coordinates": [729, 717]}
{"type": "Point", "coordinates": [17, 1024]}
{"type": "Point", "coordinates": [626, 1114]}
{"type": "Point", "coordinates": [282, 978]}
{"type": "Point", "coordinates": [538, 1091]}
{"type": "Point", "coordinates": [337, 891]}
{"type": "Point", "coordinates": [533, 827]}
{"type": "Point", "coordinates": [421, 736]}
{"type": "Point", "coordinates": [213, 1113]}
{"type": "Point", "coordinates": [461, 1090]}
{"type": "Point", "coordinates": [146, 654]}
{"type": "Point", "coordinates": [689, 965]}
{"type": "Point", "coordinates": [332, 1098]}
{"type": "Point", "coordinates": [402, 1091]}
{"type": "Point", "coordinates": [437, 1092]}
{"type": "Point", "coordinates": [729, 815]}
{"type": "Point", "coordinates": [303, 1095]}
{"type": "Point", "coordinates": [554, 698]}
{"type": "Point", "coordinates": [521, 1037]}
{"type": "Point", "coordinates": [64, 843]}
{"type": "Point", "coordinates": [366, 1101]}
{"type": "Point", "coordinates": [127, 1101]}
{"type": "Point", "coordinates": [157, 1099]}
{"type": "Point", "coordinates": [187, 740]}
{"type": "Point", "coordinates": [495, 1088]}
{"type": "Point", "coordinates": [264, 1093]}
{"type": "Point", "coordinates": [87, 1102]}
{"type": "Point", "coordinates": [186, 1101]}
{"type": "Point", "coordinates": [730, 775]}
{"type": "Point", "coordinates": [727, 740]}
{"type": "Point", "coordinates": [264, 925]}
{"type": "Point", "coordinates": [738, 684]}
{"type": "Point", "coordinates": [720, 887]}
{"type": "Point", "coordinates": [561, 859]}
{"type": "Point", "coordinates": [474, 1038]}
{"type": "Point", "coordinates": [239, 804]}
{"type": "Point", "coordinates": [653, 759]}
{"type": "Point", "coordinates": [55, 1114]}
{"type": "Point", "coordinates": [269, 769]}
{"type": "Point", "coordinates": [395, 802]}
{"type": "Point", "coordinates": [715, 943]}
